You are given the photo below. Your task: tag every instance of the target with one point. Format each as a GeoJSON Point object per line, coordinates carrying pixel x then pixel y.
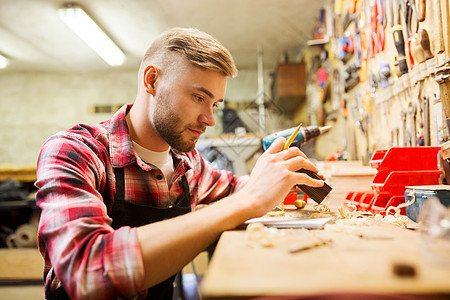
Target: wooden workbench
{"type": "Point", "coordinates": [357, 261]}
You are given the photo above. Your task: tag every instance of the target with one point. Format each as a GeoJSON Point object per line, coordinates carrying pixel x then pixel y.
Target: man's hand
{"type": "Point", "coordinates": [274, 175]}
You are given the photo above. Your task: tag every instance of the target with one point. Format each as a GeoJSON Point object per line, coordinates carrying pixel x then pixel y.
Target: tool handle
{"type": "Point", "coordinates": [399, 42]}
{"type": "Point", "coordinates": [421, 10]}
{"type": "Point", "coordinates": [315, 193]}
{"type": "Point", "coordinates": [425, 43]}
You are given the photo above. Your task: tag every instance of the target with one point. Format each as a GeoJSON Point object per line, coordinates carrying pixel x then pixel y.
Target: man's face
{"type": "Point", "coordinates": [184, 105]}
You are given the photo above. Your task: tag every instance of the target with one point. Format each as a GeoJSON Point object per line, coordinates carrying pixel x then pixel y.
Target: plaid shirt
{"type": "Point", "coordinates": [76, 182]}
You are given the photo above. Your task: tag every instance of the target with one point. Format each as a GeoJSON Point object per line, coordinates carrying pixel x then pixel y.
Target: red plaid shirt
{"type": "Point", "coordinates": [75, 178]}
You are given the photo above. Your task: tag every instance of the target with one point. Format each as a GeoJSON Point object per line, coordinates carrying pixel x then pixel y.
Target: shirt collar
{"type": "Point", "coordinates": [121, 147]}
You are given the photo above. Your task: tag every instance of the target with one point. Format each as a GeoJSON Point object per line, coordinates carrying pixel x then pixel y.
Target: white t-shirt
{"type": "Point", "coordinates": [162, 160]}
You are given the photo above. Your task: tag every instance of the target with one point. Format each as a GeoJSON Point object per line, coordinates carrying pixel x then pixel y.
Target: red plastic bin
{"type": "Point", "coordinates": [381, 203]}
{"type": "Point", "coordinates": [405, 159]}
{"type": "Point", "coordinates": [394, 183]}
{"type": "Point", "coordinates": [377, 204]}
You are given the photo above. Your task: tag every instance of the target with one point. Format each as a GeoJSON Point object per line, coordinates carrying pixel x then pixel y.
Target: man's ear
{"type": "Point", "coordinates": [151, 74]}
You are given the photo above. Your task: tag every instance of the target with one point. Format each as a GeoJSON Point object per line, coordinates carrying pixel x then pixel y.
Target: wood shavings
{"type": "Point", "coordinates": [397, 219]}
{"type": "Point", "coordinates": [346, 214]}
{"type": "Point", "coordinates": [262, 236]}
{"type": "Point", "coordinates": [277, 212]}
{"type": "Point", "coordinates": [322, 208]}
{"type": "Point", "coordinates": [323, 211]}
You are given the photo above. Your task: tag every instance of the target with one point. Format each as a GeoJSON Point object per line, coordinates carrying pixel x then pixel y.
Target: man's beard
{"type": "Point", "coordinates": [170, 126]}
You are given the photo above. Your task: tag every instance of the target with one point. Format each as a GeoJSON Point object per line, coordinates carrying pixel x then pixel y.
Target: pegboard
{"type": "Point", "coordinates": [382, 106]}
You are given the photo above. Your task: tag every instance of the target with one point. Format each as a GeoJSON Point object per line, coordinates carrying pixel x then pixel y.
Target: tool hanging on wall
{"type": "Point", "coordinates": [410, 12]}
{"type": "Point", "coordinates": [439, 124]}
{"type": "Point", "coordinates": [443, 79]}
{"type": "Point", "coordinates": [399, 41]}
{"type": "Point", "coordinates": [436, 35]}
{"type": "Point", "coordinates": [425, 43]}
{"type": "Point", "coordinates": [445, 21]}
{"type": "Point", "coordinates": [351, 76]}
{"type": "Point", "coordinates": [426, 120]}
{"type": "Point", "coordinates": [385, 75]}
{"type": "Point", "coordinates": [412, 125]}
{"type": "Point", "coordinates": [377, 20]}
{"type": "Point", "coordinates": [421, 10]}
{"type": "Point", "coordinates": [421, 117]}
{"type": "Point", "coordinates": [405, 133]}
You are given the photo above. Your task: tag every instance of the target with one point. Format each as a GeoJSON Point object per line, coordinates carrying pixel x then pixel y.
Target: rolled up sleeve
{"type": "Point", "coordinates": [91, 260]}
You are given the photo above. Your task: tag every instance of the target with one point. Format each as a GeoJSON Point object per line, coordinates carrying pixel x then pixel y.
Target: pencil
{"type": "Point", "coordinates": [292, 137]}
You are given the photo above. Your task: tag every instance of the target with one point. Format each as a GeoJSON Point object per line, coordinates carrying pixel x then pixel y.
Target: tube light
{"type": "Point", "coordinates": [3, 62]}
{"type": "Point", "coordinates": [80, 23]}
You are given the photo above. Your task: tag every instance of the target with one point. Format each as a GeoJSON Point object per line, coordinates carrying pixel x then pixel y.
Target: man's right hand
{"type": "Point", "coordinates": [274, 176]}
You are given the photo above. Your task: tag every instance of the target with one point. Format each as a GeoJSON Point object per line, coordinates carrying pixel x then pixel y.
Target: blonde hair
{"type": "Point", "coordinates": [199, 48]}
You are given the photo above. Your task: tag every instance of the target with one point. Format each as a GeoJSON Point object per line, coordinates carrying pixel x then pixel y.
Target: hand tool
{"type": "Point", "coordinates": [421, 10]}
{"type": "Point", "coordinates": [399, 40]}
{"type": "Point", "coordinates": [420, 119]}
{"type": "Point", "coordinates": [357, 41]}
{"type": "Point", "coordinates": [410, 12]}
{"type": "Point", "coordinates": [424, 40]}
{"type": "Point", "coordinates": [405, 134]}
{"type": "Point", "coordinates": [426, 121]}
{"type": "Point", "coordinates": [442, 77]}
{"type": "Point", "coordinates": [304, 134]}
{"type": "Point", "coordinates": [315, 193]}
{"type": "Point", "coordinates": [412, 127]}
{"type": "Point", "coordinates": [438, 120]}
{"type": "Point", "coordinates": [445, 21]}
{"type": "Point", "coordinates": [377, 20]}
{"type": "Point", "coordinates": [351, 76]}
{"type": "Point", "coordinates": [418, 53]}
{"type": "Point", "coordinates": [436, 35]}
{"type": "Point", "coordinates": [297, 136]}
{"type": "Point", "coordinates": [385, 74]}
{"type": "Point", "coordinates": [391, 15]}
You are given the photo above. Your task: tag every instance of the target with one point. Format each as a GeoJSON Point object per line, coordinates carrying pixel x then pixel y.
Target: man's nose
{"type": "Point", "coordinates": [207, 117]}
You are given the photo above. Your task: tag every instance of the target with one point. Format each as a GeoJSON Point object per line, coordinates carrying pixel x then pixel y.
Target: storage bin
{"type": "Point", "coordinates": [395, 182]}
{"type": "Point", "coordinates": [405, 159]}
{"type": "Point", "coordinates": [397, 167]}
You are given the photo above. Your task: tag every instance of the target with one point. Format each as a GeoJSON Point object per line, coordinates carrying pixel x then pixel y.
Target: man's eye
{"type": "Point", "coordinates": [216, 105]}
{"type": "Point", "coordinates": [199, 98]}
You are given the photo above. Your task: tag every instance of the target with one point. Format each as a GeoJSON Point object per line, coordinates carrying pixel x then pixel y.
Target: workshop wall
{"type": "Point", "coordinates": [37, 105]}
{"type": "Point", "coordinates": [365, 94]}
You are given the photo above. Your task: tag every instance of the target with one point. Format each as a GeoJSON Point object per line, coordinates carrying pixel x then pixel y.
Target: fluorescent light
{"type": "Point", "coordinates": [3, 62]}
{"type": "Point", "coordinates": [80, 23]}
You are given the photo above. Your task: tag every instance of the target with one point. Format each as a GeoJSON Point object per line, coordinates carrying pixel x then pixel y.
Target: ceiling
{"type": "Point", "coordinates": [33, 37]}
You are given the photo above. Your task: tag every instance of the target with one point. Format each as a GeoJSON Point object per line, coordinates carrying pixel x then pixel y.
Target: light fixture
{"type": "Point", "coordinates": [80, 23]}
{"type": "Point", "coordinates": [3, 62]}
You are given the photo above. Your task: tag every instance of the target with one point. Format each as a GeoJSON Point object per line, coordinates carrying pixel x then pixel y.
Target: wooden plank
{"type": "Point", "coordinates": [349, 264]}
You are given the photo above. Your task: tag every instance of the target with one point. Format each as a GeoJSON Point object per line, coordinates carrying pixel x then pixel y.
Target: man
{"type": "Point", "coordinates": [115, 196]}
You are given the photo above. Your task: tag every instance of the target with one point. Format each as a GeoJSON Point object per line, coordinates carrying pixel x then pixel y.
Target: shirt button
{"type": "Point", "coordinates": [159, 177]}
